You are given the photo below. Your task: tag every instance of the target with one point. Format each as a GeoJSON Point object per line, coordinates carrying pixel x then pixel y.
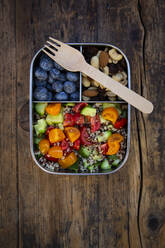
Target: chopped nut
{"type": "Point", "coordinates": [106, 70]}
{"type": "Point", "coordinates": [86, 82]}
{"type": "Point", "coordinates": [115, 55]}
{"type": "Point", "coordinates": [90, 92]}
{"type": "Point", "coordinates": [110, 61]}
{"type": "Point", "coordinates": [95, 83]}
{"type": "Point", "coordinates": [85, 98]}
{"type": "Point", "coordinates": [95, 62]}
{"type": "Point", "coordinates": [118, 77]}
{"type": "Point", "coordinates": [124, 74]}
{"type": "Point", "coordinates": [110, 93]}
{"type": "Point", "coordinates": [103, 59]}
{"type": "Point", "coordinates": [115, 61]}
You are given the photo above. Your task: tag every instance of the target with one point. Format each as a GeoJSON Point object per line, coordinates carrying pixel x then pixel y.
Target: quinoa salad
{"type": "Point", "coordinates": [80, 137]}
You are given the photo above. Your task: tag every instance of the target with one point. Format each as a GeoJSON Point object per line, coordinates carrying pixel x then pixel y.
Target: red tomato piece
{"type": "Point", "coordinates": [48, 157]}
{"type": "Point", "coordinates": [69, 120]}
{"type": "Point", "coordinates": [64, 145]}
{"type": "Point", "coordinates": [78, 119]}
{"type": "Point", "coordinates": [84, 136]}
{"type": "Point", "coordinates": [120, 123]}
{"type": "Point", "coordinates": [76, 144]}
{"type": "Point", "coordinates": [77, 108]}
{"type": "Point", "coordinates": [104, 148]}
{"type": "Point", "coordinates": [95, 123]}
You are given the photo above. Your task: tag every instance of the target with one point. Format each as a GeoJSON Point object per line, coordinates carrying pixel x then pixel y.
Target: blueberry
{"type": "Point", "coordinates": [72, 76]}
{"type": "Point", "coordinates": [40, 74]}
{"type": "Point", "coordinates": [54, 73]}
{"type": "Point", "coordinates": [61, 77]}
{"type": "Point", "coordinates": [61, 96]}
{"type": "Point", "coordinates": [50, 80]}
{"type": "Point", "coordinates": [46, 63]}
{"type": "Point", "coordinates": [49, 96]}
{"type": "Point", "coordinates": [49, 86]}
{"type": "Point", "coordinates": [74, 96]}
{"type": "Point", "coordinates": [69, 87]}
{"type": "Point", "coordinates": [40, 83]}
{"type": "Point", "coordinates": [40, 94]}
{"type": "Point", "coordinates": [57, 86]}
{"type": "Point", "coordinates": [59, 67]}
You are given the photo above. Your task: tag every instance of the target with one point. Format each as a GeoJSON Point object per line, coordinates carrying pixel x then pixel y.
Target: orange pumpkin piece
{"type": "Point", "coordinates": [115, 137]}
{"type": "Point", "coordinates": [110, 114]}
{"type": "Point", "coordinates": [53, 108]}
{"type": "Point", "coordinates": [56, 135]}
{"type": "Point", "coordinates": [72, 133]}
{"type": "Point", "coordinates": [69, 160]}
{"type": "Point", "coordinates": [55, 152]}
{"type": "Point", "coordinates": [44, 146]}
{"type": "Point", "coordinates": [113, 148]}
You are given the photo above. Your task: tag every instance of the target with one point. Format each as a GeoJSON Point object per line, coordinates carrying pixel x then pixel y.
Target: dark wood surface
{"type": "Point", "coordinates": [126, 209]}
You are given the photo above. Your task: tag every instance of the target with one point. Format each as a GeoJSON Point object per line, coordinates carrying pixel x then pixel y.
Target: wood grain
{"type": "Point", "coordinates": [8, 131]}
{"type": "Point", "coordinates": [122, 210]}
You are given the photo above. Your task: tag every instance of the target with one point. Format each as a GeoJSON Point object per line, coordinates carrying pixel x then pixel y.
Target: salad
{"type": "Point", "coordinates": [80, 137]}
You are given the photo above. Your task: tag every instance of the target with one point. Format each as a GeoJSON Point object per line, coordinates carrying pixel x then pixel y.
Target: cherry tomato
{"type": "Point", "coordinates": [69, 160]}
{"type": "Point", "coordinates": [120, 123]}
{"type": "Point", "coordinates": [69, 120]}
{"type": "Point", "coordinates": [56, 135]}
{"type": "Point", "coordinates": [72, 133]}
{"type": "Point", "coordinates": [84, 136]}
{"type": "Point", "coordinates": [44, 146]}
{"type": "Point", "coordinates": [115, 137]}
{"type": "Point", "coordinates": [53, 108]}
{"type": "Point", "coordinates": [95, 123]}
{"type": "Point", "coordinates": [110, 114]}
{"type": "Point", "coordinates": [77, 108]}
{"type": "Point", "coordinates": [64, 145]}
{"type": "Point", "coordinates": [55, 152]}
{"type": "Point", "coordinates": [104, 148]}
{"type": "Point", "coordinates": [113, 148]}
{"type": "Point", "coordinates": [76, 144]}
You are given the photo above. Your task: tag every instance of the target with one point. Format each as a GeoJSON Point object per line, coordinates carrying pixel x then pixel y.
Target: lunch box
{"type": "Point", "coordinates": [80, 47]}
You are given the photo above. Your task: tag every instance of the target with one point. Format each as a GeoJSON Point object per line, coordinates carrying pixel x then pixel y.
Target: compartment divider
{"type": "Point", "coordinates": [80, 79]}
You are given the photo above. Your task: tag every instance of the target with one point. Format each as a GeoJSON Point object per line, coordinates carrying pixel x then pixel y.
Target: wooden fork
{"type": "Point", "coordinates": [73, 60]}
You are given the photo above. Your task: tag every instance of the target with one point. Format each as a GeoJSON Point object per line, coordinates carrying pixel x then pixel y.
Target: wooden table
{"type": "Point", "coordinates": [126, 209]}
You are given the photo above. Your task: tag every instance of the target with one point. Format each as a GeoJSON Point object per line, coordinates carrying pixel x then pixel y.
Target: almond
{"type": "Point", "coordinates": [90, 93]}
{"type": "Point", "coordinates": [103, 59]}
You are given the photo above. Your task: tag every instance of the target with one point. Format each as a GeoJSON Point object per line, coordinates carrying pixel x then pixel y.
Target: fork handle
{"type": "Point", "coordinates": [123, 92]}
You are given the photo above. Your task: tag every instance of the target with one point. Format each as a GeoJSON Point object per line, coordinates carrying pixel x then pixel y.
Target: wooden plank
{"type": "Point", "coordinates": [106, 211]}
{"type": "Point", "coordinates": [8, 161]}
{"type": "Point", "coordinates": [152, 135]}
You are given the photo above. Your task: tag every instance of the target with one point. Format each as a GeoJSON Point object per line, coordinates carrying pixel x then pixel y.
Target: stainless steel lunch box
{"type": "Point", "coordinates": [80, 46]}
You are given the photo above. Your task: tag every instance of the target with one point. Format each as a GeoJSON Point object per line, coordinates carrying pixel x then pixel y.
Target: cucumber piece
{"type": "Point", "coordinates": [54, 119]}
{"type": "Point", "coordinates": [98, 157]}
{"type": "Point", "coordinates": [40, 127]}
{"type": "Point", "coordinates": [112, 157]}
{"type": "Point", "coordinates": [105, 136]}
{"type": "Point", "coordinates": [40, 108]}
{"type": "Point", "coordinates": [90, 168]}
{"type": "Point", "coordinates": [114, 105]}
{"type": "Point", "coordinates": [70, 104]}
{"type": "Point", "coordinates": [105, 165]}
{"type": "Point", "coordinates": [88, 111]}
{"type": "Point", "coordinates": [84, 151]}
{"type": "Point", "coordinates": [116, 162]}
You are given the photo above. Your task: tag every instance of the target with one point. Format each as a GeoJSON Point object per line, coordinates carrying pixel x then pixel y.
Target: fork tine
{"type": "Point", "coordinates": [49, 54]}
{"type": "Point", "coordinates": [57, 41]}
{"type": "Point", "coordinates": [50, 49]}
{"type": "Point", "coordinates": [52, 44]}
